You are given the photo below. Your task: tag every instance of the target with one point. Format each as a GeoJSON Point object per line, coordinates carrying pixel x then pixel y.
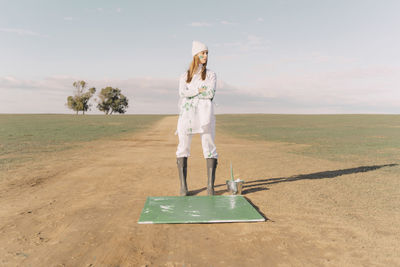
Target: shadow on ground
{"type": "Point", "coordinates": [252, 186]}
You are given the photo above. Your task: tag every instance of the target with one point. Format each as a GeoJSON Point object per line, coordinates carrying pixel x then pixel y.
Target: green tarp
{"type": "Point", "coordinates": [198, 209]}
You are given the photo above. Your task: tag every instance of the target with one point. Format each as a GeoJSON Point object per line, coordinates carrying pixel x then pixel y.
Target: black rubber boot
{"type": "Point", "coordinates": [182, 170]}
{"type": "Point", "coordinates": [211, 167]}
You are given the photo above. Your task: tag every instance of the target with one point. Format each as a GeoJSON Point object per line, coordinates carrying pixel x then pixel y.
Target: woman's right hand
{"type": "Point", "coordinates": [202, 89]}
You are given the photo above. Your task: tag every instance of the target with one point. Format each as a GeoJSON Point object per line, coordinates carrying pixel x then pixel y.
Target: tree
{"type": "Point", "coordinates": [80, 101]}
{"type": "Point", "coordinates": [111, 100]}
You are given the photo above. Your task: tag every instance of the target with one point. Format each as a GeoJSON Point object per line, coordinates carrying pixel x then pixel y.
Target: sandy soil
{"type": "Point", "coordinates": [80, 207]}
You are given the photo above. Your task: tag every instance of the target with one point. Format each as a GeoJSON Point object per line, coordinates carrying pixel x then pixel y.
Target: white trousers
{"type": "Point", "coordinates": [207, 142]}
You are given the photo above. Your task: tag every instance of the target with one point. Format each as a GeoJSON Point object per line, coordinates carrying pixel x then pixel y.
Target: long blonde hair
{"type": "Point", "coordinates": [193, 68]}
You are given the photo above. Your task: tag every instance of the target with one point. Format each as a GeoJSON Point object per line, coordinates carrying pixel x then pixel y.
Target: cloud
{"type": "Point", "coordinates": [250, 43]}
{"type": "Point", "coordinates": [316, 57]}
{"type": "Point", "coordinates": [200, 24]}
{"type": "Point", "coordinates": [22, 32]}
{"type": "Point", "coordinates": [256, 42]}
{"type": "Point", "coordinates": [49, 95]}
{"type": "Point", "coordinates": [69, 18]}
{"type": "Point", "coordinates": [224, 22]}
{"type": "Point", "coordinates": [356, 90]}
{"type": "Point", "coordinates": [260, 19]}
{"type": "Point", "coordinates": [105, 10]}
{"type": "Point", "coordinates": [146, 95]}
{"type": "Point", "coordinates": [206, 24]}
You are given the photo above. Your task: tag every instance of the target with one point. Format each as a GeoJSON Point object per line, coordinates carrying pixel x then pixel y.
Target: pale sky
{"type": "Point", "coordinates": [287, 56]}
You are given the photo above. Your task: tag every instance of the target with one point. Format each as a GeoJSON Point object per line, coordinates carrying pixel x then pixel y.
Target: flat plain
{"type": "Point", "coordinates": [72, 189]}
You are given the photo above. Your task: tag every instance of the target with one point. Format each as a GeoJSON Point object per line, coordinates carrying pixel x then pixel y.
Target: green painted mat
{"type": "Point", "coordinates": [198, 209]}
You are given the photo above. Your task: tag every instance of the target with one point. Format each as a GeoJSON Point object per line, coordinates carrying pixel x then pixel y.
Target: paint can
{"type": "Point", "coordinates": [235, 186]}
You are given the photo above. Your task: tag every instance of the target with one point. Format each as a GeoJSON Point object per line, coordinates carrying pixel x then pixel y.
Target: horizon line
{"type": "Point", "coordinates": [250, 113]}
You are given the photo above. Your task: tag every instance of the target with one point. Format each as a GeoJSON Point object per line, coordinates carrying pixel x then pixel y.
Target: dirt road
{"type": "Point", "coordinates": [80, 207]}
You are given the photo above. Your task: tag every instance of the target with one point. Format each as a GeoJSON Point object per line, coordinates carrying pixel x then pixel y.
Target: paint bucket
{"type": "Point", "coordinates": [235, 186]}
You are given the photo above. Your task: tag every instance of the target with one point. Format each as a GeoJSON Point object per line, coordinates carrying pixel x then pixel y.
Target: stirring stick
{"type": "Point", "coordinates": [231, 172]}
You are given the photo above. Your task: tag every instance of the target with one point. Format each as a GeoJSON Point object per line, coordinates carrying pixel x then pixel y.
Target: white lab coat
{"type": "Point", "coordinates": [196, 110]}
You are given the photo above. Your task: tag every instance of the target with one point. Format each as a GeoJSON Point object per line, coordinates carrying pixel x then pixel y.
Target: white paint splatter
{"type": "Point", "coordinates": [167, 208]}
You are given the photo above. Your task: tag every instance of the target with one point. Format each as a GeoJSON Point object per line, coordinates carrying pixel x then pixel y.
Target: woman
{"type": "Point", "coordinates": [196, 90]}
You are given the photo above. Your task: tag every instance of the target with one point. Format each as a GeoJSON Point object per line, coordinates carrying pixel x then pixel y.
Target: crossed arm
{"type": "Point", "coordinates": [209, 86]}
{"type": "Point", "coordinates": [205, 89]}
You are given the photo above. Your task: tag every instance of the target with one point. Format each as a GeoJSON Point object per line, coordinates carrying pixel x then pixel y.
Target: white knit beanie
{"type": "Point", "coordinates": [198, 47]}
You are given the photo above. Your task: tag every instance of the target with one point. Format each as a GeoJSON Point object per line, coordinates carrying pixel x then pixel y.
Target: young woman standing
{"type": "Point", "coordinates": [196, 91]}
